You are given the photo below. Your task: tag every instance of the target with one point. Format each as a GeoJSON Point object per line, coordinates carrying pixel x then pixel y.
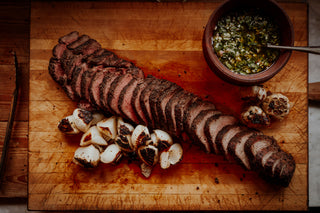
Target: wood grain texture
{"type": "Point", "coordinates": [164, 39]}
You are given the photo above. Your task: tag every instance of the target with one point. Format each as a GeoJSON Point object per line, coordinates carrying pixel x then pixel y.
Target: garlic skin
{"type": "Point", "coordinates": [93, 136]}
{"type": "Point", "coordinates": [112, 154]}
{"type": "Point", "coordinates": [87, 157]}
{"type": "Point", "coordinates": [67, 125]}
{"type": "Point", "coordinates": [108, 128]}
{"type": "Point", "coordinates": [82, 119]}
{"type": "Point", "coordinates": [140, 136]}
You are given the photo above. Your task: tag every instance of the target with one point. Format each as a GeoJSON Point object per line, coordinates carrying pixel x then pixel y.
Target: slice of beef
{"type": "Point", "coordinates": [56, 71]}
{"type": "Point", "coordinates": [81, 40]}
{"type": "Point", "coordinates": [154, 98]}
{"type": "Point", "coordinates": [123, 63]}
{"type": "Point", "coordinates": [180, 110]}
{"type": "Point", "coordinates": [58, 50]}
{"type": "Point", "coordinates": [135, 71]}
{"type": "Point", "coordinates": [86, 79]}
{"type": "Point", "coordinates": [196, 133]}
{"type": "Point", "coordinates": [170, 110]}
{"type": "Point", "coordinates": [236, 147]}
{"type": "Point", "coordinates": [135, 101]}
{"type": "Point", "coordinates": [87, 48]}
{"type": "Point", "coordinates": [69, 38]}
{"type": "Point", "coordinates": [104, 90]}
{"type": "Point", "coordinates": [155, 85]}
{"type": "Point", "coordinates": [255, 145]}
{"type": "Point", "coordinates": [70, 93]}
{"type": "Point", "coordinates": [69, 61]}
{"type": "Point", "coordinates": [213, 125]}
{"type": "Point", "coordinates": [193, 110]}
{"type": "Point", "coordinates": [77, 77]}
{"type": "Point", "coordinates": [224, 137]}
{"type": "Point", "coordinates": [94, 89]}
{"type": "Point", "coordinates": [115, 91]}
{"type": "Point", "coordinates": [124, 104]}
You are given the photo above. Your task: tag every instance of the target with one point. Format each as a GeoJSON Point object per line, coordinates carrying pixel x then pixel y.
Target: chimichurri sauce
{"type": "Point", "coordinates": [240, 40]}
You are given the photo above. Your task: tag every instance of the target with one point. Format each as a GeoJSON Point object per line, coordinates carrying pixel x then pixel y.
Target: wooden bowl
{"type": "Point", "coordinates": [286, 38]}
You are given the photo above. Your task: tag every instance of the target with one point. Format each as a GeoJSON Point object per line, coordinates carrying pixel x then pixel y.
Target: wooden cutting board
{"type": "Point", "coordinates": [164, 39]}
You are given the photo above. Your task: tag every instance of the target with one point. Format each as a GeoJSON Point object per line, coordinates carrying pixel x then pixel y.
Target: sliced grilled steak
{"type": "Point", "coordinates": [76, 79]}
{"type": "Point", "coordinates": [155, 85]}
{"type": "Point", "coordinates": [254, 145]}
{"type": "Point", "coordinates": [94, 89]}
{"type": "Point", "coordinates": [58, 50]}
{"type": "Point", "coordinates": [115, 91]}
{"type": "Point", "coordinates": [104, 90]}
{"type": "Point", "coordinates": [87, 48]}
{"type": "Point", "coordinates": [155, 97]}
{"type": "Point", "coordinates": [170, 112]}
{"type": "Point", "coordinates": [56, 71]}
{"type": "Point", "coordinates": [69, 61]}
{"type": "Point", "coordinates": [86, 80]}
{"type": "Point", "coordinates": [225, 135]}
{"type": "Point", "coordinates": [181, 108]}
{"type": "Point", "coordinates": [236, 147]}
{"type": "Point", "coordinates": [193, 110]}
{"type": "Point", "coordinates": [135, 101]}
{"type": "Point", "coordinates": [81, 40]}
{"type": "Point", "coordinates": [213, 125]}
{"type": "Point", "coordinates": [69, 91]}
{"type": "Point", "coordinates": [124, 103]}
{"type": "Point", "coordinates": [69, 38]}
{"type": "Point", "coordinates": [196, 133]}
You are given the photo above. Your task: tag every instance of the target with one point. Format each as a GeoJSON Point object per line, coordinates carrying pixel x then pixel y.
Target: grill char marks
{"type": "Point", "coordinates": [56, 71]}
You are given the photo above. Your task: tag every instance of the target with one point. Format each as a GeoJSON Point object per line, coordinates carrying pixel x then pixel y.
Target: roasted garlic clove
{"type": "Point", "coordinates": [87, 157]}
{"type": "Point", "coordinates": [112, 154]}
{"type": "Point", "coordinates": [164, 160]}
{"type": "Point", "coordinates": [108, 128]}
{"type": "Point", "coordinates": [146, 170]}
{"type": "Point", "coordinates": [92, 136]}
{"type": "Point", "coordinates": [276, 105]}
{"type": "Point", "coordinates": [82, 119]}
{"type": "Point", "coordinates": [140, 136]}
{"type": "Point", "coordinates": [255, 117]}
{"type": "Point", "coordinates": [175, 153]}
{"type": "Point", "coordinates": [124, 136]}
{"type": "Point", "coordinates": [163, 139]}
{"type": "Point", "coordinates": [67, 125]}
{"type": "Point", "coordinates": [148, 154]}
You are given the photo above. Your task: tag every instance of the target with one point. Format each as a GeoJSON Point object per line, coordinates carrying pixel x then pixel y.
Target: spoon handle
{"type": "Point", "coordinates": [314, 49]}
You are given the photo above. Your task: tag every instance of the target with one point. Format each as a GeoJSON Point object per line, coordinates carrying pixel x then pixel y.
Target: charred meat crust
{"type": "Point", "coordinates": [213, 125]}
{"type": "Point", "coordinates": [170, 112]}
{"type": "Point", "coordinates": [196, 133]}
{"type": "Point", "coordinates": [69, 38]}
{"type": "Point", "coordinates": [56, 71]}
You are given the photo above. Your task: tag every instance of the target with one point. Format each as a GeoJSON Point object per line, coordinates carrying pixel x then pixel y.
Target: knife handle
{"type": "Point", "coordinates": [314, 91]}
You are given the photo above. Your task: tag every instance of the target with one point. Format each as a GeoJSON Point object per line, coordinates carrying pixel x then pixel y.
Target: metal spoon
{"type": "Point", "coordinates": [314, 49]}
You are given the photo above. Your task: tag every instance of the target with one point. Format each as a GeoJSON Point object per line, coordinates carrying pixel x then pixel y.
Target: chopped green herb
{"type": "Point", "coordinates": [240, 40]}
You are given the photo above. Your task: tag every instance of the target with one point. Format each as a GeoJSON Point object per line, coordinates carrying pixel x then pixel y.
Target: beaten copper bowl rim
{"type": "Point", "coordinates": [287, 39]}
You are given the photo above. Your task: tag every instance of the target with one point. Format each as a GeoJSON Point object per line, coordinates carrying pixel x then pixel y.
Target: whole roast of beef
{"type": "Point", "coordinates": [99, 80]}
